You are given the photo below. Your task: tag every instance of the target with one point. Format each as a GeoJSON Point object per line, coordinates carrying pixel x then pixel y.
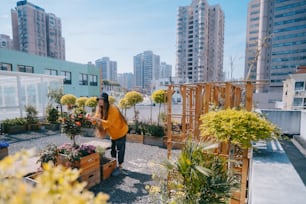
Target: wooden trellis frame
{"type": "Point", "coordinates": [196, 101]}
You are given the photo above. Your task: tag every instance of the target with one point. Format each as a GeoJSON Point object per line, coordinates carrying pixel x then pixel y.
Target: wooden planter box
{"type": "Point", "coordinates": [134, 138]}
{"type": "Point", "coordinates": [3, 152]}
{"type": "Point", "coordinates": [152, 140]}
{"type": "Point", "coordinates": [108, 165]}
{"type": "Point", "coordinates": [16, 129]}
{"type": "Point", "coordinates": [53, 126]}
{"type": "Point", "coordinates": [88, 165]}
{"type": "Point", "coordinates": [33, 127]}
{"type": "Point", "coordinates": [31, 178]}
{"type": "Point", "coordinates": [177, 142]}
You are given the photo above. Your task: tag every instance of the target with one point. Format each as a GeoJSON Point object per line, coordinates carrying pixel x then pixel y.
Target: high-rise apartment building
{"type": "Point", "coordinates": [37, 32]}
{"type": "Point", "coordinates": [200, 42]}
{"type": "Point", "coordinates": [146, 69]}
{"type": "Point", "coordinates": [55, 42]}
{"type": "Point", "coordinates": [251, 53]}
{"type": "Point", "coordinates": [108, 67]}
{"type": "Point", "coordinates": [281, 26]}
{"type": "Point", "coordinates": [165, 70]}
{"type": "Point", "coordinates": [215, 43]}
{"type": "Point", "coordinates": [6, 41]}
{"type": "Point", "coordinates": [126, 80]}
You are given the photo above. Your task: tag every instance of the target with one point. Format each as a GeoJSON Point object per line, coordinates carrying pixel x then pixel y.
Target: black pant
{"type": "Point", "coordinates": [118, 145]}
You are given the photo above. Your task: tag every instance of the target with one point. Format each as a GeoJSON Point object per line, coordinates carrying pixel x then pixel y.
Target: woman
{"type": "Point", "coordinates": [109, 119]}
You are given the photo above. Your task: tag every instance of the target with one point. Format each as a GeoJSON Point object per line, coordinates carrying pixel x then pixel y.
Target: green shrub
{"type": "Point", "coordinates": [8, 123]}
{"type": "Point", "coordinates": [53, 115]}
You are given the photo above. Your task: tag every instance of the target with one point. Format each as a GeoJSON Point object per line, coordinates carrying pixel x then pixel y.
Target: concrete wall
{"type": "Point", "coordinates": [288, 121]}
{"type": "Point", "coordinates": [303, 126]}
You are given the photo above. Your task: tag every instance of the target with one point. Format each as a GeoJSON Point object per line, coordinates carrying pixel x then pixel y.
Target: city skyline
{"type": "Point", "coordinates": [120, 29]}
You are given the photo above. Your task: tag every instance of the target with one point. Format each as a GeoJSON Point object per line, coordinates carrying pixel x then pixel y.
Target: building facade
{"type": "Point", "coordinates": [215, 43]}
{"type": "Point", "coordinates": [281, 40]}
{"type": "Point", "coordinates": [108, 67]}
{"type": "Point", "coordinates": [146, 69]}
{"type": "Point", "coordinates": [200, 42]}
{"type": "Point", "coordinates": [37, 32]}
{"type": "Point", "coordinates": [78, 79]}
{"type": "Point", "coordinates": [294, 91]}
{"type": "Point", "coordinates": [165, 70]}
{"type": "Point", "coordinates": [6, 41]}
{"type": "Point", "coordinates": [126, 80]}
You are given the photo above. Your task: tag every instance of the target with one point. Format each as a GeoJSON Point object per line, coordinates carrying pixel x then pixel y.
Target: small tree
{"type": "Point", "coordinates": [31, 114]}
{"type": "Point", "coordinates": [238, 127]}
{"type": "Point", "coordinates": [159, 96]}
{"type": "Point", "coordinates": [111, 99]}
{"type": "Point", "coordinates": [92, 103]}
{"type": "Point", "coordinates": [55, 95]}
{"type": "Point", "coordinates": [80, 102]}
{"type": "Point", "coordinates": [132, 98]}
{"type": "Point", "coordinates": [123, 105]}
{"type": "Point", "coordinates": [68, 100]}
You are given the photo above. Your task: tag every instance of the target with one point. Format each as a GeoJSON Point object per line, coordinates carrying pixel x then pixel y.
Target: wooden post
{"type": "Point", "coordinates": [183, 121]}
{"type": "Point", "coordinates": [228, 87]}
{"type": "Point", "coordinates": [198, 110]}
{"type": "Point", "coordinates": [169, 125]}
{"type": "Point", "coordinates": [248, 96]}
{"type": "Point", "coordinates": [207, 97]}
{"type": "Point", "coordinates": [216, 95]}
{"type": "Point", "coordinates": [237, 96]}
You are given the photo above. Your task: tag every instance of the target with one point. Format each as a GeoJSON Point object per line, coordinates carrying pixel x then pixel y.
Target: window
{"type": "Point", "coordinates": [67, 77]}
{"type": "Point", "coordinates": [23, 68]}
{"type": "Point", "coordinates": [297, 102]}
{"type": "Point", "coordinates": [93, 80]}
{"type": "Point", "coordinates": [83, 79]}
{"type": "Point", "coordinates": [51, 72]}
{"type": "Point", "coordinates": [5, 67]}
{"type": "Point", "coordinates": [299, 86]}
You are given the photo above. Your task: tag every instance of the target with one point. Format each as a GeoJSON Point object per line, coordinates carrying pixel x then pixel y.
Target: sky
{"type": "Point", "coordinates": [121, 29]}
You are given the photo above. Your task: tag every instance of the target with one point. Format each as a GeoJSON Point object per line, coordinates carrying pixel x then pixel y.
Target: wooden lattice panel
{"type": "Point", "coordinates": [197, 100]}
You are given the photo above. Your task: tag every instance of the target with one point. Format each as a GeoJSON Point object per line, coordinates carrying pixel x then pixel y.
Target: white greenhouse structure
{"type": "Point", "coordinates": [18, 89]}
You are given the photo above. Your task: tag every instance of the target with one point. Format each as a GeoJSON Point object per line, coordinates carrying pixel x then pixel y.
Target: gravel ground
{"type": "Point", "coordinates": [126, 188]}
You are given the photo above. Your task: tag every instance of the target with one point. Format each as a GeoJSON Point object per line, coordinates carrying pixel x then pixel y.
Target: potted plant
{"type": "Point", "coordinates": [48, 154]}
{"type": "Point", "coordinates": [159, 96]}
{"type": "Point", "coordinates": [239, 127]}
{"type": "Point", "coordinates": [71, 126]}
{"type": "Point", "coordinates": [14, 126]}
{"type": "Point", "coordinates": [69, 100]}
{"type": "Point", "coordinates": [195, 176]}
{"type": "Point", "coordinates": [52, 118]}
{"type": "Point", "coordinates": [32, 121]}
{"type": "Point", "coordinates": [91, 102]}
{"type": "Point", "coordinates": [153, 133]}
{"type": "Point", "coordinates": [77, 156]}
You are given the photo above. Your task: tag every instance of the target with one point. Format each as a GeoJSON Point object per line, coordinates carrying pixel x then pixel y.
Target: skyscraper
{"type": "Point", "coordinates": [109, 68]}
{"type": "Point", "coordinates": [37, 32]}
{"type": "Point", "coordinates": [165, 70]}
{"type": "Point", "coordinates": [200, 41]}
{"type": "Point", "coordinates": [146, 69]}
{"type": "Point", "coordinates": [281, 40]}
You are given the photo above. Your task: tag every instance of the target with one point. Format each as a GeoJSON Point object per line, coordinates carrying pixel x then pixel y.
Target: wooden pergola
{"type": "Point", "coordinates": [198, 99]}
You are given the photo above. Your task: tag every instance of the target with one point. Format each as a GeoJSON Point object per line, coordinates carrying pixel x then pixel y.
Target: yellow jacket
{"type": "Point", "coordinates": [115, 125]}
